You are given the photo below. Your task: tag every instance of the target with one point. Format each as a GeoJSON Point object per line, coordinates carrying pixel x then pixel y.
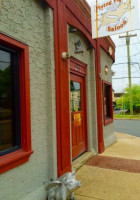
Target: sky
{"type": "Point", "coordinates": [120, 67]}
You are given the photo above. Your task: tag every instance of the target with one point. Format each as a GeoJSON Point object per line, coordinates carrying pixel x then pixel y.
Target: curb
{"type": "Point", "coordinates": [126, 119]}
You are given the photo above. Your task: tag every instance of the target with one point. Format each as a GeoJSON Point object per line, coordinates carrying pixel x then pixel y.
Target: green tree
{"type": "Point", "coordinates": [5, 86]}
{"type": "Point", "coordinates": [124, 103]}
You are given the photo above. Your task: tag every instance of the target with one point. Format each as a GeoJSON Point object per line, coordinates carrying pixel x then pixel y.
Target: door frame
{"type": "Point", "coordinates": [79, 68]}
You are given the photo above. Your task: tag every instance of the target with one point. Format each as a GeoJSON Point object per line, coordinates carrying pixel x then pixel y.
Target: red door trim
{"type": "Point", "coordinates": [62, 90]}
{"type": "Point", "coordinates": [82, 67]}
{"type": "Point", "coordinates": [101, 146]}
{"type": "Point", "coordinates": [82, 73]}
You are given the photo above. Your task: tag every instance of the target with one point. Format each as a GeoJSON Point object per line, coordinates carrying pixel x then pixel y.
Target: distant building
{"type": "Point", "coordinates": [113, 99]}
{"type": "Point", "coordinates": [117, 95]}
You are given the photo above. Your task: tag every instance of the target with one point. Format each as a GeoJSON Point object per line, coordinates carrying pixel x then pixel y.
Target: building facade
{"type": "Point", "coordinates": [56, 93]}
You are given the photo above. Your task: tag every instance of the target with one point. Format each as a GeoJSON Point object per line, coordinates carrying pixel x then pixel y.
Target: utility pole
{"type": "Point", "coordinates": [127, 36]}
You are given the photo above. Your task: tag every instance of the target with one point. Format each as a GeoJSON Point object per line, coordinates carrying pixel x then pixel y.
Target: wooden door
{"type": "Point", "coordinates": [78, 118]}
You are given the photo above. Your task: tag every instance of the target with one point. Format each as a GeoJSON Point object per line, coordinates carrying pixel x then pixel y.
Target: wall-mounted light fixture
{"type": "Point", "coordinates": [65, 55]}
{"type": "Point", "coordinates": [72, 29]}
{"type": "Point", "coordinates": [106, 69]}
{"type": "Point", "coordinates": [110, 50]}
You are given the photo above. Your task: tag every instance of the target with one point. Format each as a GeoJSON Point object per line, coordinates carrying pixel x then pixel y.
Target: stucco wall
{"type": "Point", "coordinates": [87, 57]}
{"type": "Point", "coordinates": [32, 23]}
{"type": "Point", "coordinates": [108, 130]}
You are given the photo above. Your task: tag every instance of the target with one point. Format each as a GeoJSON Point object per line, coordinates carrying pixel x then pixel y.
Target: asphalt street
{"type": "Point", "coordinates": [131, 127]}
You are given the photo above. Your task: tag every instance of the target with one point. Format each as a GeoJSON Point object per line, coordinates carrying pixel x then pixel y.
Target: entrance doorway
{"type": "Point", "coordinates": [78, 114]}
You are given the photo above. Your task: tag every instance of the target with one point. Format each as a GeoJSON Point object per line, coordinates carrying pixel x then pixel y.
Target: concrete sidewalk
{"type": "Point", "coordinates": [114, 174]}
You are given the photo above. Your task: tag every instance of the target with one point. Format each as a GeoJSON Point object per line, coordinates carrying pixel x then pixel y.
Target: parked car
{"type": "Point", "coordinates": [119, 111]}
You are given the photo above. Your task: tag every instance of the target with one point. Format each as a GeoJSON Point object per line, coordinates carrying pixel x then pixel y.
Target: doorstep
{"type": "Point", "coordinates": [81, 160]}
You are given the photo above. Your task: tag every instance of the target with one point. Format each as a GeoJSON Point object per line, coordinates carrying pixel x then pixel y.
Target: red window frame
{"type": "Point", "coordinates": [109, 119]}
{"type": "Point", "coordinates": [21, 156]}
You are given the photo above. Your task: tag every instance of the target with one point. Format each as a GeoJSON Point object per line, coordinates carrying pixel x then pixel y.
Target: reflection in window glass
{"type": "Point", "coordinates": [6, 101]}
{"type": "Point", "coordinates": [75, 96]}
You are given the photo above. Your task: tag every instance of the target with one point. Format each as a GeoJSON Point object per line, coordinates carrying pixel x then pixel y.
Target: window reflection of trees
{"type": "Point", "coordinates": [75, 96]}
{"type": "Point", "coordinates": [5, 87]}
{"type": "Point", "coordinates": [6, 126]}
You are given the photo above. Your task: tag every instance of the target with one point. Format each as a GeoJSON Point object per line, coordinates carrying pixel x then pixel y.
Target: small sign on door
{"type": "Point", "coordinates": [77, 119]}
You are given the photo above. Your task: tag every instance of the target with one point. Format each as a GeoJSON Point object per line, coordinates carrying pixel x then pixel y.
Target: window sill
{"type": "Point", "coordinates": [108, 121]}
{"type": "Point", "coordinates": [14, 159]}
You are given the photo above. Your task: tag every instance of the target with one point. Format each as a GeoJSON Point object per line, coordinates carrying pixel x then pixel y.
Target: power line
{"type": "Point", "coordinates": [137, 46]}
{"type": "Point", "coordinates": [132, 63]}
{"type": "Point", "coordinates": [125, 44]}
{"type": "Point", "coordinates": [125, 77]}
{"type": "Point", "coordinates": [135, 54]}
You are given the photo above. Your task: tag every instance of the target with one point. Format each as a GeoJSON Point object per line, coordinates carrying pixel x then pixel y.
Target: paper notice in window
{"type": "Point", "coordinates": [77, 119]}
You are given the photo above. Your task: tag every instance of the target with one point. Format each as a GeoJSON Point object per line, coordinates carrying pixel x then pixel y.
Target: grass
{"type": "Point", "coordinates": [126, 116]}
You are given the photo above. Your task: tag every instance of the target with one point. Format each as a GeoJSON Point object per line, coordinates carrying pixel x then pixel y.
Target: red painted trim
{"type": "Point", "coordinates": [78, 23]}
{"type": "Point", "coordinates": [81, 68]}
{"type": "Point", "coordinates": [101, 146]}
{"type": "Point", "coordinates": [10, 42]}
{"type": "Point", "coordinates": [62, 89]}
{"type": "Point", "coordinates": [109, 120]}
{"type": "Point", "coordinates": [78, 62]}
{"type": "Point", "coordinates": [51, 3]}
{"type": "Point", "coordinates": [105, 45]}
{"type": "Point", "coordinates": [78, 14]}
{"type": "Point", "coordinates": [82, 74]}
{"type": "Point", "coordinates": [14, 159]}
{"type": "Point", "coordinates": [25, 99]}
{"type": "Point", "coordinates": [85, 8]}
{"type": "Point", "coordinates": [61, 168]}
{"type": "Point", "coordinates": [19, 157]}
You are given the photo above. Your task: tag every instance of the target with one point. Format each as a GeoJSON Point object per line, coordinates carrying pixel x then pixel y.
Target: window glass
{"type": "Point", "coordinates": [75, 96]}
{"type": "Point", "coordinates": [107, 101]}
{"type": "Point", "coordinates": [9, 102]}
{"type": "Point", "coordinates": [6, 101]}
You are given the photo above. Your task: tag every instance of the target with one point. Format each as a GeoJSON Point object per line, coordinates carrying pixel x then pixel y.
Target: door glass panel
{"type": "Point", "coordinates": [6, 101]}
{"type": "Point", "coordinates": [75, 94]}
